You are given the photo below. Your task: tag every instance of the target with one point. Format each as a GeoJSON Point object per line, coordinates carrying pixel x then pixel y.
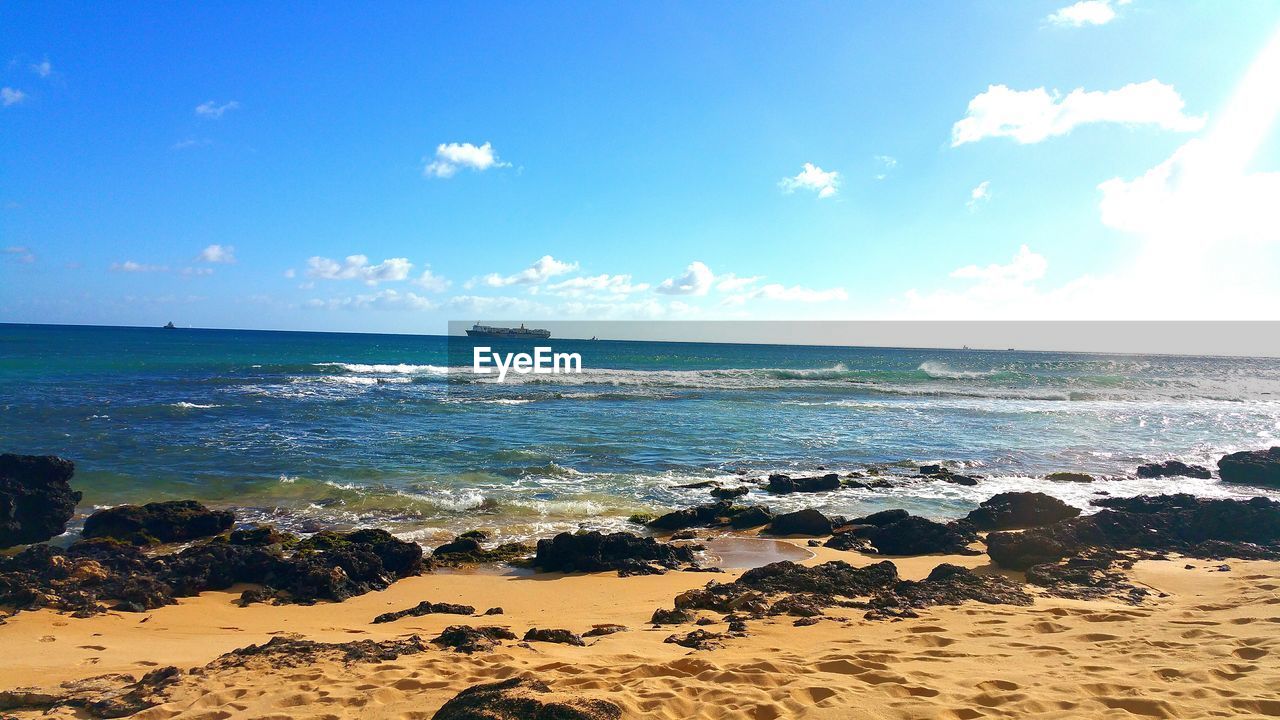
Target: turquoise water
{"type": "Point", "coordinates": [311, 429]}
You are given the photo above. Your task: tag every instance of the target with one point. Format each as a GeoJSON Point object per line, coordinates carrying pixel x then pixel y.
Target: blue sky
{"type": "Point", "coordinates": [229, 165]}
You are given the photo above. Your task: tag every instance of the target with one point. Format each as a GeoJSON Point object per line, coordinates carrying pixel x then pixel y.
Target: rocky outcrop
{"type": "Point", "coordinates": [801, 522]}
{"type": "Point", "coordinates": [564, 637]}
{"type": "Point", "coordinates": [83, 578]}
{"type": "Point", "coordinates": [945, 474]}
{"type": "Point", "coordinates": [718, 514]}
{"type": "Point", "coordinates": [697, 640]}
{"type": "Point", "coordinates": [785, 484]}
{"type": "Point", "coordinates": [425, 608]}
{"type": "Point", "coordinates": [103, 696]}
{"type": "Point", "coordinates": [467, 639]}
{"type": "Point", "coordinates": [1010, 510]}
{"type": "Point", "coordinates": [1069, 477]}
{"type": "Point", "coordinates": [596, 552]}
{"type": "Point", "coordinates": [1164, 523]}
{"type": "Point", "coordinates": [36, 499]}
{"type": "Point", "coordinates": [1173, 468]}
{"type": "Point", "coordinates": [750, 517]}
{"type": "Point", "coordinates": [909, 535]}
{"type": "Point", "coordinates": [1255, 467]}
{"type": "Point", "coordinates": [523, 698]}
{"type": "Point", "coordinates": [467, 549]}
{"type": "Point", "coordinates": [280, 652]}
{"type": "Point", "coordinates": [158, 522]}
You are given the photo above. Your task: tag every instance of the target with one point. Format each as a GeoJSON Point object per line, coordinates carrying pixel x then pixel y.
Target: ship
{"type": "Point", "coordinates": [170, 326]}
{"type": "Point", "coordinates": [522, 332]}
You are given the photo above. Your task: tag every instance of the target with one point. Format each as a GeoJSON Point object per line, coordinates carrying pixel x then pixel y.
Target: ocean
{"type": "Point", "coordinates": [311, 430]}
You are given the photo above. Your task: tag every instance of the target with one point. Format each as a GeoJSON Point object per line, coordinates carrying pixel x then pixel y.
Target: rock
{"type": "Point", "coordinates": [697, 516]}
{"type": "Point", "coordinates": [1020, 510]}
{"type": "Point", "coordinates": [914, 535]}
{"type": "Point", "coordinates": [1166, 523]}
{"type": "Point", "coordinates": [425, 608]}
{"type": "Point", "coordinates": [467, 639]}
{"type": "Point", "coordinates": [103, 696]}
{"type": "Point", "coordinates": [753, 516]}
{"type": "Point", "coordinates": [1092, 575]}
{"type": "Point", "coordinates": [466, 548]}
{"type": "Point", "coordinates": [830, 578]}
{"type": "Point", "coordinates": [884, 517]}
{"type": "Point", "coordinates": [849, 541]}
{"type": "Point", "coordinates": [949, 584]}
{"type": "Point", "coordinates": [523, 698]}
{"type": "Point", "coordinates": [1255, 467]}
{"type": "Point", "coordinates": [730, 493]}
{"type": "Point", "coordinates": [280, 652]}
{"type": "Point", "coordinates": [699, 485]}
{"type": "Point", "coordinates": [677, 616]}
{"type": "Point", "coordinates": [604, 629]}
{"type": "Point", "coordinates": [801, 522]}
{"type": "Point", "coordinates": [596, 552]}
{"type": "Point", "coordinates": [1173, 468]}
{"type": "Point", "coordinates": [1069, 477]}
{"type": "Point", "coordinates": [785, 484]}
{"type": "Point", "coordinates": [697, 639]}
{"type": "Point", "coordinates": [159, 522]}
{"type": "Point", "coordinates": [564, 637]}
{"type": "Point", "coordinates": [938, 472]}
{"type": "Point", "coordinates": [458, 546]}
{"type": "Point", "coordinates": [36, 499]}
{"type": "Point", "coordinates": [261, 536]}
{"type": "Point", "coordinates": [494, 611]}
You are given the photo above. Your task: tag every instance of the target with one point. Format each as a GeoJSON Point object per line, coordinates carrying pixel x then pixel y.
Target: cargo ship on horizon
{"type": "Point", "coordinates": [522, 332]}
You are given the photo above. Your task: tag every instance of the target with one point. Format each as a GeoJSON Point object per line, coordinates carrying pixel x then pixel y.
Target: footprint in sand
{"type": "Point", "coordinates": [1250, 653]}
{"type": "Point", "coordinates": [48, 638]}
{"type": "Point", "coordinates": [92, 647]}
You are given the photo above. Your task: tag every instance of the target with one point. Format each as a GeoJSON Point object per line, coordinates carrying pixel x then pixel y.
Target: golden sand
{"type": "Point", "coordinates": [1210, 647]}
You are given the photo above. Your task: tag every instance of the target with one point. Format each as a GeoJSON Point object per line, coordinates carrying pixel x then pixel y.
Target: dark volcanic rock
{"type": "Point", "coordinates": [604, 629]}
{"type": "Point", "coordinates": [1092, 575]}
{"type": "Point", "coordinates": [949, 584]}
{"type": "Point", "coordinates": [36, 499]}
{"type": "Point", "coordinates": [849, 541]}
{"type": "Point", "coordinates": [830, 578]}
{"type": "Point", "coordinates": [594, 552]}
{"type": "Point", "coordinates": [697, 639]}
{"type": "Point", "coordinates": [159, 522]}
{"type": "Point", "coordinates": [1173, 468]}
{"type": "Point", "coordinates": [678, 616]}
{"type": "Point", "coordinates": [750, 517]}
{"type": "Point", "coordinates": [261, 536]}
{"type": "Point", "coordinates": [522, 698]}
{"type": "Point", "coordinates": [1256, 467]}
{"type": "Point", "coordinates": [1020, 510]}
{"type": "Point", "coordinates": [697, 516]}
{"type": "Point", "coordinates": [1165, 523]}
{"type": "Point", "coordinates": [563, 637]}
{"type": "Point", "coordinates": [785, 484]}
{"type": "Point", "coordinates": [1069, 477]}
{"type": "Point", "coordinates": [884, 517]}
{"type": "Point", "coordinates": [801, 522]}
{"type": "Point", "coordinates": [425, 608]}
{"type": "Point", "coordinates": [104, 696]}
{"type": "Point", "coordinates": [914, 535]}
{"type": "Point", "coordinates": [729, 493]}
{"type": "Point", "coordinates": [283, 652]}
{"type": "Point", "coordinates": [467, 639]}
{"type": "Point", "coordinates": [467, 549]}
{"type": "Point", "coordinates": [938, 472]}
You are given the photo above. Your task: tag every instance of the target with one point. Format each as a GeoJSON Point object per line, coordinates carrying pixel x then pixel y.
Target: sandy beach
{"type": "Point", "coordinates": [1199, 646]}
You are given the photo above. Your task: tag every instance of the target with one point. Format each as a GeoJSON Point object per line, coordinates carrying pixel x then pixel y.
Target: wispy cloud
{"type": "Point", "coordinates": [19, 253]}
{"type": "Point", "coordinates": [381, 300]}
{"type": "Point", "coordinates": [696, 280]}
{"type": "Point", "coordinates": [129, 266]}
{"type": "Point", "coordinates": [811, 177]}
{"type": "Point", "coordinates": [979, 195]}
{"type": "Point", "coordinates": [357, 267]}
{"type": "Point", "coordinates": [431, 282]}
{"type": "Point", "coordinates": [543, 269]}
{"type": "Point", "coordinates": [211, 109]}
{"type": "Point", "coordinates": [190, 143]}
{"type": "Point", "coordinates": [225, 254]}
{"type": "Point", "coordinates": [1030, 116]}
{"type": "Point", "coordinates": [783, 293]}
{"type": "Point", "coordinates": [450, 157]}
{"type": "Point", "coordinates": [604, 284]}
{"type": "Point", "coordinates": [886, 164]}
{"type": "Point", "coordinates": [43, 68]}
{"type": "Point", "coordinates": [11, 96]}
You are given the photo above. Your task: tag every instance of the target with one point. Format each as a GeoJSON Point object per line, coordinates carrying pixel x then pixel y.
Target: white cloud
{"type": "Point", "coordinates": [886, 163]}
{"type": "Point", "coordinates": [1025, 267]}
{"type": "Point", "coordinates": [196, 271]}
{"type": "Point", "coordinates": [218, 254]}
{"type": "Point", "coordinates": [1030, 116]}
{"type": "Point", "coordinates": [482, 305]}
{"type": "Point", "coordinates": [616, 285]}
{"type": "Point", "coordinates": [1085, 12]}
{"type": "Point", "coordinates": [210, 109]}
{"type": "Point", "coordinates": [979, 195]}
{"type": "Point", "coordinates": [11, 96]}
{"type": "Point", "coordinates": [543, 269]}
{"type": "Point", "coordinates": [290, 273]}
{"type": "Point", "coordinates": [19, 253]}
{"type": "Point", "coordinates": [452, 156]}
{"type": "Point", "coordinates": [130, 266]}
{"type": "Point", "coordinates": [728, 282]}
{"type": "Point", "coordinates": [782, 293]}
{"type": "Point", "coordinates": [431, 282]}
{"type": "Point", "coordinates": [812, 177]}
{"type": "Point", "coordinates": [697, 280]}
{"type": "Point", "coordinates": [357, 267]}
{"type": "Point", "coordinates": [43, 68]}
{"type": "Point", "coordinates": [381, 300]}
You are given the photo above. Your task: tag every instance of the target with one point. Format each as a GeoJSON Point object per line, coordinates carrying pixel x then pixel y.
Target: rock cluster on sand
{"type": "Point", "coordinates": [36, 499]}
{"type": "Point", "coordinates": [467, 639]}
{"type": "Point", "coordinates": [325, 566]}
{"type": "Point", "coordinates": [103, 696]}
{"type": "Point", "coordinates": [1010, 510]}
{"type": "Point", "coordinates": [1167, 523]}
{"type": "Point", "coordinates": [594, 551]}
{"type": "Point", "coordinates": [896, 532]}
{"type": "Point", "coordinates": [1256, 467]}
{"type": "Point", "coordinates": [522, 698]}
{"type": "Point", "coordinates": [159, 522]}
{"type": "Point", "coordinates": [425, 607]}
{"type": "Point", "coordinates": [801, 522]}
{"type": "Point", "coordinates": [717, 514]}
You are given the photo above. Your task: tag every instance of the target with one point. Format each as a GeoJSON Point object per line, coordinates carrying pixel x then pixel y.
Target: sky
{"type": "Point", "coordinates": [392, 167]}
